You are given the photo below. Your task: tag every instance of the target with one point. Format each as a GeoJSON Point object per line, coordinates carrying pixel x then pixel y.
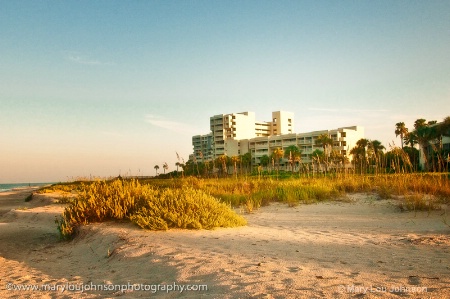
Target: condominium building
{"type": "Point", "coordinates": [203, 147]}
{"type": "Point", "coordinates": [344, 139]}
{"type": "Point", "coordinates": [227, 130]}
{"type": "Point", "coordinates": [239, 133]}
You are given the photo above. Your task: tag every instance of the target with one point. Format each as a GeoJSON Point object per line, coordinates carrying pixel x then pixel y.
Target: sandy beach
{"type": "Point", "coordinates": [359, 248]}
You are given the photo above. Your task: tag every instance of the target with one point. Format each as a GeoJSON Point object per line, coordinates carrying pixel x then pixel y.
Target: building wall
{"type": "Point", "coordinates": [203, 147]}
{"type": "Point", "coordinates": [235, 126]}
{"type": "Point", "coordinates": [344, 140]}
{"type": "Point", "coordinates": [238, 133]}
{"type": "Point", "coordinates": [445, 146]}
{"type": "Point", "coordinates": [282, 123]}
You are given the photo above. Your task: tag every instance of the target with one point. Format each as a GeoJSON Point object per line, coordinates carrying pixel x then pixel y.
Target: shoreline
{"type": "Point", "coordinates": [22, 186]}
{"type": "Point", "coordinates": [327, 250]}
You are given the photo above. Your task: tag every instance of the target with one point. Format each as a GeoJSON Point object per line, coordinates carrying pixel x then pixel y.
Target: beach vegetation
{"type": "Point", "coordinates": [202, 197]}
{"type": "Point", "coordinates": [147, 206]}
{"type": "Point", "coordinates": [196, 203]}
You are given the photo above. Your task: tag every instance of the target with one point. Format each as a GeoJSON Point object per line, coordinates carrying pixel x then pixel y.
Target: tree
{"type": "Point", "coordinates": [317, 156]}
{"type": "Point", "coordinates": [264, 160]}
{"type": "Point", "coordinates": [165, 167]}
{"type": "Point", "coordinates": [402, 130]}
{"type": "Point", "coordinates": [413, 156]}
{"type": "Point", "coordinates": [277, 155]}
{"type": "Point", "coordinates": [359, 153]}
{"type": "Point", "coordinates": [293, 154]}
{"type": "Point", "coordinates": [325, 141]}
{"type": "Point", "coordinates": [338, 159]}
{"type": "Point", "coordinates": [235, 160]}
{"type": "Point", "coordinates": [424, 133]}
{"type": "Point", "coordinates": [410, 139]}
{"type": "Point", "coordinates": [246, 160]}
{"type": "Point", "coordinates": [445, 127]}
{"type": "Point", "coordinates": [156, 168]}
{"type": "Point", "coordinates": [222, 160]}
{"type": "Point", "coordinates": [376, 148]}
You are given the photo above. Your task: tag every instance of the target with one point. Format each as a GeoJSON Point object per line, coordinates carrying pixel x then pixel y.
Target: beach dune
{"type": "Point", "coordinates": [364, 248]}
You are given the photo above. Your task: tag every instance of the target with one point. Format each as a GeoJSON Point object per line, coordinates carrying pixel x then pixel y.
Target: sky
{"type": "Point", "coordinates": [102, 88]}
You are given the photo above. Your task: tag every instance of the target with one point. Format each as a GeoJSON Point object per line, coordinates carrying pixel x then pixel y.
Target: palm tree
{"type": "Point", "coordinates": [156, 168]}
{"type": "Point", "coordinates": [165, 167]}
{"type": "Point", "coordinates": [234, 160]}
{"type": "Point", "coordinates": [402, 130]}
{"type": "Point", "coordinates": [264, 160]}
{"type": "Point", "coordinates": [377, 150]}
{"type": "Point", "coordinates": [277, 155]}
{"type": "Point", "coordinates": [292, 153]}
{"type": "Point", "coordinates": [359, 153]}
{"type": "Point", "coordinates": [338, 159]}
{"type": "Point", "coordinates": [317, 156]}
{"type": "Point", "coordinates": [445, 126]}
{"type": "Point", "coordinates": [410, 139]}
{"type": "Point", "coordinates": [246, 160]}
{"type": "Point", "coordinates": [325, 141]}
{"type": "Point", "coordinates": [297, 157]}
{"type": "Point", "coordinates": [424, 133]}
{"type": "Point", "coordinates": [222, 160]}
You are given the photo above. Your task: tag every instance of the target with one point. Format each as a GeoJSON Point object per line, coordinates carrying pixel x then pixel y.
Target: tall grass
{"type": "Point", "coordinates": [147, 206]}
{"type": "Point", "coordinates": [205, 203]}
{"type": "Point", "coordinates": [295, 191]}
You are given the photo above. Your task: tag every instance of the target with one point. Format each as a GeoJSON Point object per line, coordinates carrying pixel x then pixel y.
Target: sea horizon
{"type": "Point", "coordinates": [12, 186]}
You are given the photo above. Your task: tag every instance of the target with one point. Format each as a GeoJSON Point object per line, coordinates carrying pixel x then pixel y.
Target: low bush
{"type": "Point", "coordinates": [185, 208]}
{"type": "Point", "coordinates": [146, 206]}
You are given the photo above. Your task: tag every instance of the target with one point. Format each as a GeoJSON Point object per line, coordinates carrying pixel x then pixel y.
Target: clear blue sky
{"type": "Point", "coordinates": [107, 87]}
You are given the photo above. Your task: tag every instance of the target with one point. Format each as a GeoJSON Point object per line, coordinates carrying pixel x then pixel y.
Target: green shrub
{"type": "Point", "coordinates": [146, 206]}
{"type": "Point", "coordinates": [185, 208]}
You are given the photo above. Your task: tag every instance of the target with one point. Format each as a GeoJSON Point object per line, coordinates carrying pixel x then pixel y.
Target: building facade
{"type": "Point", "coordinates": [441, 145]}
{"type": "Point", "coordinates": [228, 130]}
{"type": "Point", "coordinates": [239, 133]}
{"type": "Point", "coordinates": [344, 139]}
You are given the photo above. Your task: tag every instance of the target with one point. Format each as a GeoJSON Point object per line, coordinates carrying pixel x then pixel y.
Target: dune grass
{"type": "Point", "coordinates": [147, 206]}
{"type": "Point", "coordinates": [311, 190]}
{"type": "Point", "coordinates": [196, 203]}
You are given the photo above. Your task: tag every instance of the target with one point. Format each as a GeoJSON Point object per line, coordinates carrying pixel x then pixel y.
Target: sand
{"type": "Point", "coordinates": [363, 248]}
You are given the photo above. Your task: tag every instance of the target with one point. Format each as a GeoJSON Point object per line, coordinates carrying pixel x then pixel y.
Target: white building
{"type": "Point", "coordinates": [228, 130]}
{"type": "Point", "coordinates": [344, 139]}
{"type": "Point", "coordinates": [239, 133]}
{"type": "Point", "coordinates": [437, 144]}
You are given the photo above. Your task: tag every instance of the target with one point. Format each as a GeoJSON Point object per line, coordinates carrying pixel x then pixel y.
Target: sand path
{"type": "Point", "coordinates": [363, 249]}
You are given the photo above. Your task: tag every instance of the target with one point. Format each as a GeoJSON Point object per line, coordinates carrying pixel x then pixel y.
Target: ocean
{"type": "Point", "coordinates": [9, 187]}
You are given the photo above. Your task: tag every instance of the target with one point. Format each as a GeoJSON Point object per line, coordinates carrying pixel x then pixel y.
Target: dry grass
{"type": "Point", "coordinates": [148, 207]}
{"type": "Point", "coordinates": [162, 204]}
